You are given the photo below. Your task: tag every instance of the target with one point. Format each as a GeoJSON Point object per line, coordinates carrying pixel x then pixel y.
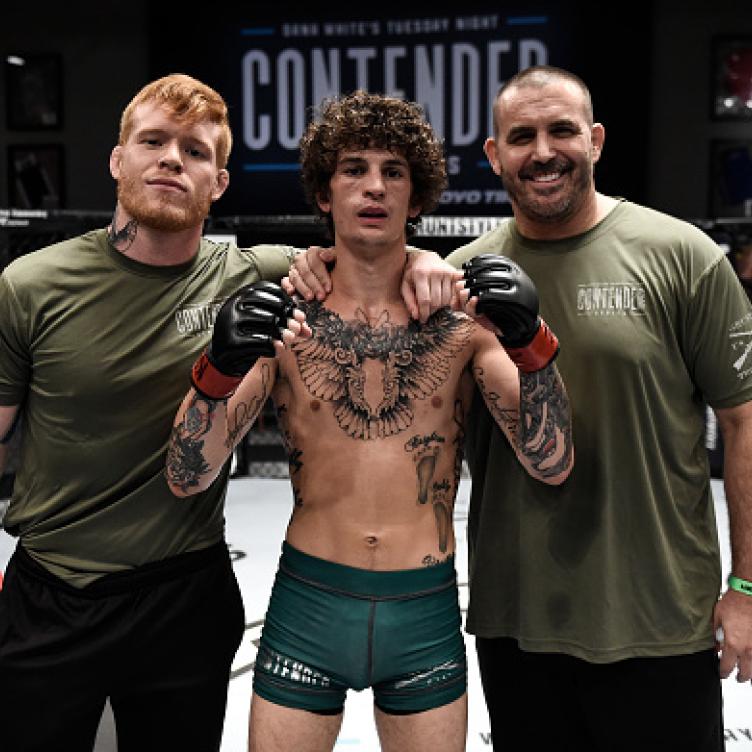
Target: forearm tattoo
{"type": "Point", "coordinates": [507, 417]}
{"type": "Point", "coordinates": [245, 413]}
{"type": "Point", "coordinates": [545, 430]}
{"type": "Point", "coordinates": [373, 371]}
{"type": "Point", "coordinates": [186, 463]}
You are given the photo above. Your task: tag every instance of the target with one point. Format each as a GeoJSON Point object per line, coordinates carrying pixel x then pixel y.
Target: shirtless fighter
{"type": "Point", "coordinates": [372, 406]}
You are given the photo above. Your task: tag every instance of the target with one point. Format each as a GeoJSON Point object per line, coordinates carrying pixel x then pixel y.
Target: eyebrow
{"type": "Point", "coordinates": [565, 122]}
{"type": "Point", "coordinates": [395, 161]}
{"type": "Point", "coordinates": [163, 133]}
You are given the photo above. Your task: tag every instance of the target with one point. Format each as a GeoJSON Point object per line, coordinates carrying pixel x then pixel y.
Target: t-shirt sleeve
{"type": "Point", "coordinates": [489, 242]}
{"type": "Point", "coordinates": [272, 261]}
{"type": "Point", "coordinates": [718, 336]}
{"type": "Point", "coordinates": [15, 357]}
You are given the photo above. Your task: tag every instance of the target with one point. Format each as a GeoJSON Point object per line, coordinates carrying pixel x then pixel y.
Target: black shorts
{"type": "Point", "coordinates": [158, 641]}
{"type": "Point", "coordinates": [330, 628]}
{"type": "Point", "coordinates": [545, 701]}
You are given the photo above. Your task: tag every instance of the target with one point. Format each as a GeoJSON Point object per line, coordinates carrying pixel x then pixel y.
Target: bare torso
{"type": "Point", "coordinates": [372, 414]}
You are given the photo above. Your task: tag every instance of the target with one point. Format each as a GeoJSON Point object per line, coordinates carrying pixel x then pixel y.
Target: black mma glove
{"type": "Point", "coordinates": [245, 329]}
{"type": "Point", "coordinates": [508, 298]}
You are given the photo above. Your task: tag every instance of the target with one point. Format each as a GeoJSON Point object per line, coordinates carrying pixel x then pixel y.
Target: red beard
{"type": "Point", "coordinates": [168, 212]}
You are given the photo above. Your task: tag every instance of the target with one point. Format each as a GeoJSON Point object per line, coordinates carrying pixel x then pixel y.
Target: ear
{"type": "Point", "coordinates": [223, 180]}
{"type": "Point", "coordinates": [492, 154]}
{"type": "Point", "coordinates": [116, 160]}
{"type": "Point", "coordinates": [598, 138]}
{"type": "Point", "coordinates": [324, 203]}
{"type": "Point", "coordinates": [414, 211]}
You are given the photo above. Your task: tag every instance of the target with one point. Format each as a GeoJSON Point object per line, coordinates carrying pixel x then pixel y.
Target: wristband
{"type": "Point", "coordinates": [536, 355]}
{"type": "Point", "coordinates": [740, 585]}
{"type": "Point", "coordinates": [211, 382]}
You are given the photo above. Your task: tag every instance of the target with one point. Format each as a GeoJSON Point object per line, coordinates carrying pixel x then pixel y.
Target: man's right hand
{"type": "Point", "coordinates": [247, 327]}
{"type": "Point", "coordinates": [309, 275]}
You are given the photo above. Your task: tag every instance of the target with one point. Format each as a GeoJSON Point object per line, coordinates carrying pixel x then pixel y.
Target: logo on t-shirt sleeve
{"type": "Point", "coordinates": [740, 336]}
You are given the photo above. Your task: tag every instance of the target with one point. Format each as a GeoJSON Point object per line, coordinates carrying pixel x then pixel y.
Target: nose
{"type": "Point", "coordinates": [170, 157]}
{"type": "Point", "coordinates": [374, 183]}
{"type": "Point", "coordinates": [542, 149]}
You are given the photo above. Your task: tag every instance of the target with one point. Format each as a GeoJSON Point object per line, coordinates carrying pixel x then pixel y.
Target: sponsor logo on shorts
{"type": "Point", "coordinates": [441, 673]}
{"type": "Point", "coordinates": [274, 663]}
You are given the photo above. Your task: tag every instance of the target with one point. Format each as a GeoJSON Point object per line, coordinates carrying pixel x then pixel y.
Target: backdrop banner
{"type": "Point", "coordinates": [275, 73]}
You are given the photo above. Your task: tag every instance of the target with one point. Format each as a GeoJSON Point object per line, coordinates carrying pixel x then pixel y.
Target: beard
{"type": "Point", "coordinates": [557, 205]}
{"type": "Point", "coordinates": [168, 212]}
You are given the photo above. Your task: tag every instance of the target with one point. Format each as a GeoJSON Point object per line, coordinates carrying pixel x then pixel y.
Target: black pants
{"type": "Point", "coordinates": [158, 641]}
{"type": "Point", "coordinates": [543, 701]}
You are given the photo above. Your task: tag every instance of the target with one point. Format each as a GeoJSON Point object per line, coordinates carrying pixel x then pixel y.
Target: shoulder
{"type": "Point", "coordinates": [488, 242]}
{"type": "Point", "coordinates": [48, 263]}
{"type": "Point", "coordinates": [651, 225]}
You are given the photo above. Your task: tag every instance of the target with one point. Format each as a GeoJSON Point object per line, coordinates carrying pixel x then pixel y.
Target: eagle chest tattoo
{"type": "Point", "coordinates": [372, 372]}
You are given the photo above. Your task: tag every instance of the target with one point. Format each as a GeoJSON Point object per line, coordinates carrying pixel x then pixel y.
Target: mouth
{"type": "Point", "coordinates": [167, 184]}
{"type": "Point", "coordinates": [545, 175]}
{"type": "Point", "coordinates": [372, 214]}
{"type": "Point", "coordinates": [549, 177]}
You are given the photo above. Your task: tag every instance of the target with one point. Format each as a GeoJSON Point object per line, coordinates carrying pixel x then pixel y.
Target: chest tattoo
{"type": "Point", "coordinates": [372, 372]}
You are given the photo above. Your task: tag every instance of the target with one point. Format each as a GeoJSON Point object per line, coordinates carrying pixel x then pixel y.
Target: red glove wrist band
{"type": "Point", "coordinates": [536, 355]}
{"type": "Point", "coordinates": [210, 382]}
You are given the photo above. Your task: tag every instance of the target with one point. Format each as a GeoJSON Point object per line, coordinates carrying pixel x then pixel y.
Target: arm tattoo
{"type": "Point", "coordinates": [185, 460]}
{"type": "Point", "coordinates": [373, 371]}
{"type": "Point", "coordinates": [504, 416]}
{"type": "Point", "coordinates": [545, 430]}
{"type": "Point", "coordinates": [245, 412]}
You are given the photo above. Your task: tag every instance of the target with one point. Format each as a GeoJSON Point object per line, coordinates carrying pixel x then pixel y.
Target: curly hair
{"type": "Point", "coordinates": [362, 120]}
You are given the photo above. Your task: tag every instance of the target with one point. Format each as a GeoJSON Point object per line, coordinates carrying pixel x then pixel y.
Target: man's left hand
{"type": "Point", "coordinates": [733, 613]}
{"type": "Point", "coordinates": [427, 283]}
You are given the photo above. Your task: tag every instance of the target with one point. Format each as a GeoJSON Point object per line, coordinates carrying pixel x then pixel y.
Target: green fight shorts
{"type": "Point", "coordinates": [330, 628]}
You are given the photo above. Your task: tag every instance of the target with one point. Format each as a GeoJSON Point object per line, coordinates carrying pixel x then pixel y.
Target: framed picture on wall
{"type": "Point", "coordinates": [36, 176]}
{"type": "Point", "coordinates": [34, 92]}
{"type": "Point", "coordinates": [730, 178]}
{"type": "Point", "coordinates": [731, 82]}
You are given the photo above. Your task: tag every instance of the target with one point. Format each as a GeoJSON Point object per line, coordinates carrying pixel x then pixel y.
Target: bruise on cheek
{"type": "Point", "coordinates": [315, 406]}
{"type": "Point", "coordinates": [436, 401]}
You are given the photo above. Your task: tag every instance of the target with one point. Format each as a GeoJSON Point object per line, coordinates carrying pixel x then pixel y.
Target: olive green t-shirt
{"type": "Point", "coordinates": [98, 348]}
{"type": "Point", "coordinates": [622, 559]}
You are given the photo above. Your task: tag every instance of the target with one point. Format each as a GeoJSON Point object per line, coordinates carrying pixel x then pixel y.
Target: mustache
{"type": "Point", "coordinates": [557, 164]}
